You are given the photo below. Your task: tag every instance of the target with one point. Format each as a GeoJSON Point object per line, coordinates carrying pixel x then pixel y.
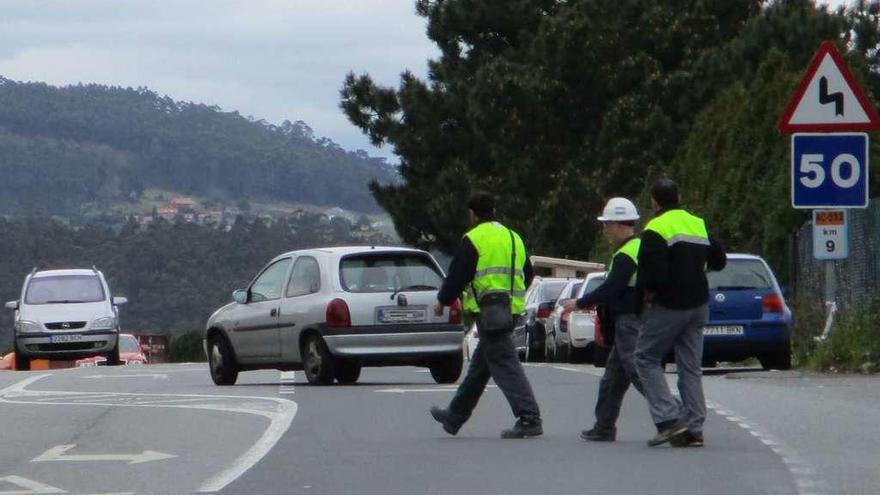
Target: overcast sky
{"type": "Point", "coordinates": [273, 59]}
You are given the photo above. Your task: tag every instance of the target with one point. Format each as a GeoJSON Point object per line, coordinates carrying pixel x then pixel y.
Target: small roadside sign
{"type": "Point", "coordinates": [828, 99]}
{"type": "Point", "coordinates": [829, 235]}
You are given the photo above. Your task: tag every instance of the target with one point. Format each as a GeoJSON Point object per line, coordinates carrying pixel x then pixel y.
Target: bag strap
{"type": "Point", "coordinates": [512, 260]}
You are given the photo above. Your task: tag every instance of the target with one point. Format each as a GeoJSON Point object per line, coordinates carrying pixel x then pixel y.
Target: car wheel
{"type": "Point", "coordinates": [22, 363]}
{"type": "Point", "coordinates": [600, 356]}
{"type": "Point", "coordinates": [113, 356]}
{"type": "Point", "coordinates": [221, 361]}
{"type": "Point", "coordinates": [348, 372]}
{"type": "Point", "coordinates": [777, 361]}
{"type": "Point", "coordinates": [318, 363]}
{"type": "Point", "coordinates": [448, 370]}
{"type": "Point", "coordinates": [563, 354]}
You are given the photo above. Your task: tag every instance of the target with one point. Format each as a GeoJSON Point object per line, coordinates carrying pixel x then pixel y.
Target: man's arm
{"type": "Point", "coordinates": [614, 286]}
{"type": "Point", "coordinates": [461, 272]}
{"type": "Point", "coordinates": [716, 259]}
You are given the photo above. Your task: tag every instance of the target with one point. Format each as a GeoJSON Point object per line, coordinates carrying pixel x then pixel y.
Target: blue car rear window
{"type": "Point", "coordinates": [740, 275]}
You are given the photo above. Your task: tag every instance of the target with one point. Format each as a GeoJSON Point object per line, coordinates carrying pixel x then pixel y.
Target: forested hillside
{"type": "Point", "coordinates": [63, 147]}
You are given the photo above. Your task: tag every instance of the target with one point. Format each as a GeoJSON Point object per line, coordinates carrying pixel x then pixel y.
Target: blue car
{"type": "Point", "coordinates": [748, 316]}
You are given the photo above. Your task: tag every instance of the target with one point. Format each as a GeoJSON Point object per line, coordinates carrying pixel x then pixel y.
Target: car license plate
{"type": "Point", "coordinates": [723, 330]}
{"type": "Point", "coordinates": [61, 339]}
{"type": "Point", "coordinates": [402, 315]}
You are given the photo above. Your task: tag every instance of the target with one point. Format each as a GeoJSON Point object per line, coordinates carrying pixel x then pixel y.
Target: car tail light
{"type": "Point", "coordinates": [337, 314]}
{"type": "Point", "coordinates": [564, 320]}
{"type": "Point", "coordinates": [597, 334]}
{"type": "Point", "coordinates": [544, 311]}
{"type": "Point", "coordinates": [455, 312]}
{"type": "Point", "coordinates": [772, 303]}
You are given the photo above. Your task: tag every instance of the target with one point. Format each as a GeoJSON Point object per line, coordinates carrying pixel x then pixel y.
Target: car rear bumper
{"type": "Point", "coordinates": [377, 341]}
{"type": "Point", "coordinates": [757, 339]}
{"type": "Point", "coordinates": [89, 343]}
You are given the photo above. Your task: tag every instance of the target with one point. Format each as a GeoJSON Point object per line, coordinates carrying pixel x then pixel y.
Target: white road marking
{"type": "Point", "coordinates": [279, 412]}
{"type": "Point", "coordinates": [58, 453]}
{"type": "Point", "coordinates": [32, 487]}
{"type": "Point", "coordinates": [157, 376]}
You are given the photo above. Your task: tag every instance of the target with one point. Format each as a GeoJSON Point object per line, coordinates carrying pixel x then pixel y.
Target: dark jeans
{"type": "Point", "coordinates": [620, 371]}
{"type": "Point", "coordinates": [495, 357]}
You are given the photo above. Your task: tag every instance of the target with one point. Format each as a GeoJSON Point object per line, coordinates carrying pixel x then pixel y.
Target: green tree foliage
{"type": "Point", "coordinates": [61, 147]}
{"type": "Point", "coordinates": [174, 274]}
{"type": "Point", "coordinates": [556, 106]}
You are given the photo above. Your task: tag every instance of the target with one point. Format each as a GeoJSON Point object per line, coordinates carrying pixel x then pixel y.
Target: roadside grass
{"type": "Point", "coordinates": [809, 321]}
{"type": "Point", "coordinates": [854, 344]}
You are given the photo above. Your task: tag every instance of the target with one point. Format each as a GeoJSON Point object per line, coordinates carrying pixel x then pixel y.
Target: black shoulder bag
{"type": "Point", "coordinates": [495, 307]}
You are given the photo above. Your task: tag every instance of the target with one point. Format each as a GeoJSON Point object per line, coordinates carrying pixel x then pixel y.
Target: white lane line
{"type": "Point", "coordinates": [288, 383]}
{"type": "Point", "coordinates": [33, 487]}
{"type": "Point", "coordinates": [280, 416]}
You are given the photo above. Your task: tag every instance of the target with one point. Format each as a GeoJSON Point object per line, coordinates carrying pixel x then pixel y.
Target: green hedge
{"type": "Point", "coordinates": [187, 348]}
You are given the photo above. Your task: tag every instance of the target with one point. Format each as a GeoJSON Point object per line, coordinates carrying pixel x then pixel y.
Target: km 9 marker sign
{"type": "Point", "coordinates": [829, 170]}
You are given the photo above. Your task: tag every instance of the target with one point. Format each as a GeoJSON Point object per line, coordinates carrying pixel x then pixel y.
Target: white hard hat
{"type": "Point", "coordinates": [619, 210]}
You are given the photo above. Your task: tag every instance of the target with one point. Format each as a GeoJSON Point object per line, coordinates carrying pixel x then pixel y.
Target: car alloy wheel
{"type": "Point", "coordinates": [318, 363]}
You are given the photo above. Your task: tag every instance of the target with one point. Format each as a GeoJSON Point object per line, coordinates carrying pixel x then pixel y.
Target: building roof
{"type": "Point", "coordinates": [547, 261]}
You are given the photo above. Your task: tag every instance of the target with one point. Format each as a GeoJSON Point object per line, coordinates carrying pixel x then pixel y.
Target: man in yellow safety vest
{"type": "Point", "coordinates": [491, 260]}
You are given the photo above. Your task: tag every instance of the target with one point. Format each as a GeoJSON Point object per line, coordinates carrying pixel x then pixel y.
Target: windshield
{"type": "Point", "coordinates": [389, 272]}
{"type": "Point", "coordinates": [128, 343]}
{"type": "Point", "coordinates": [740, 275]}
{"type": "Point", "coordinates": [64, 289]}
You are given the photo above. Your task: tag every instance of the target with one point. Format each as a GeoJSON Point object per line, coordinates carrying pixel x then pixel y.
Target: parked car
{"type": "Point", "coordinates": [577, 329]}
{"type": "Point", "coordinates": [471, 339]}
{"type": "Point", "coordinates": [130, 351]}
{"type": "Point", "coordinates": [552, 327]}
{"type": "Point", "coordinates": [65, 314]}
{"type": "Point", "coordinates": [748, 316]}
{"type": "Point", "coordinates": [529, 335]}
{"type": "Point", "coordinates": [332, 311]}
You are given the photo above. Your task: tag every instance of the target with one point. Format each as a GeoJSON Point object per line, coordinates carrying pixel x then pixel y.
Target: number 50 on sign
{"type": "Point", "coordinates": [829, 170]}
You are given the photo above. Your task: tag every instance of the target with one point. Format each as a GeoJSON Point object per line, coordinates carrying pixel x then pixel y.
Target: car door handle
{"type": "Point", "coordinates": [273, 313]}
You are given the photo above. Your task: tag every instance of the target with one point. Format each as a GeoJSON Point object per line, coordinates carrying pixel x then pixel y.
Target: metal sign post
{"type": "Point", "coordinates": [828, 115]}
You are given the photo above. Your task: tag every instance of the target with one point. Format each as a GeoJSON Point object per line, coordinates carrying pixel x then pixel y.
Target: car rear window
{"type": "Point", "coordinates": [64, 289]}
{"type": "Point", "coordinates": [740, 275]}
{"type": "Point", "coordinates": [550, 290]}
{"type": "Point", "coordinates": [388, 272]}
{"type": "Point", "coordinates": [593, 283]}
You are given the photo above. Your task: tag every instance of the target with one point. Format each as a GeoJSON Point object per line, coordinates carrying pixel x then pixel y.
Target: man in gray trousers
{"type": "Point", "coordinates": [675, 252]}
{"type": "Point", "coordinates": [617, 301]}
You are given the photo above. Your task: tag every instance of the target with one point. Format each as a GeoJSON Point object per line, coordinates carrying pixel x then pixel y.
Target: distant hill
{"type": "Point", "coordinates": [61, 147]}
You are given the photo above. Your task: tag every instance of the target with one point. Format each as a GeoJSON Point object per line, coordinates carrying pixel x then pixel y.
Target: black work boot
{"type": "Point", "coordinates": [443, 417]}
{"type": "Point", "coordinates": [597, 434]}
{"type": "Point", "coordinates": [666, 432]}
{"type": "Point", "coordinates": [687, 439]}
{"type": "Point", "coordinates": [524, 428]}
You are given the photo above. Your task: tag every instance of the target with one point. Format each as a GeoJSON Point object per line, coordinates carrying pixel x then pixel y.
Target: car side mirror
{"type": "Point", "coordinates": [119, 301]}
{"type": "Point", "coordinates": [240, 296]}
{"type": "Point", "coordinates": [12, 304]}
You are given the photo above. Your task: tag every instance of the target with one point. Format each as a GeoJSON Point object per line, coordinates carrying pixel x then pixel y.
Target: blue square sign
{"type": "Point", "coordinates": [829, 170]}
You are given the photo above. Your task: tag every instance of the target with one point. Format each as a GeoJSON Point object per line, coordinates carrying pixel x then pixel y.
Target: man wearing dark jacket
{"type": "Point", "coordinates": [617, 297]}
{"type": "Point", "coordinates": [675, 253]}
{"type": "Point", "coordinates": [490, 260]}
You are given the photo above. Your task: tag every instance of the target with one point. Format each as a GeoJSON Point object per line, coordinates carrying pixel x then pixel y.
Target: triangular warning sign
{"type": "Point", "coordinates": [828, 98]}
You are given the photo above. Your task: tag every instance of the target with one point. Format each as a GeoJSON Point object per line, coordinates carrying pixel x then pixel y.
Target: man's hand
{"type": "Point", "coordinates": [438, 309]}
{"type": "Point", "coordinates": [570, 305]}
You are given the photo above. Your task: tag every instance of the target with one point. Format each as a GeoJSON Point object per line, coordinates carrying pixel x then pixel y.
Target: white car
{"type": "Point", "coordinates": [578, 328]}
{"type": "Point", "coordinates": [332, 311]}
{"type": "Point", "coordinates": [471, 339]}
{"type": "Point", "coordinates": [554, 323]}
{"type": "Point", "coordinates": [65, 314]}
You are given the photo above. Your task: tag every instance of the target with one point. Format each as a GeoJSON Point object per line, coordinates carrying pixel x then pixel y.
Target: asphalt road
{"type": "Point", "coordinates": [167, 429]}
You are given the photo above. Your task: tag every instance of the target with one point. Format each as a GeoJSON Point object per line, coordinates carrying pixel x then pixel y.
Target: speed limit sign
{"type": "Point", "coordinates": [829, 235]}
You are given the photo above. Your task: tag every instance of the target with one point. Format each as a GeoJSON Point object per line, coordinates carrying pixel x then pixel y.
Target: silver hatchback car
{"type": "Point", "coordinates": [332, 311]}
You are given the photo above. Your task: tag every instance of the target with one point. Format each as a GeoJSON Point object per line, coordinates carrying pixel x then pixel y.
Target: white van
{"type": "Point", "coordinates": [66, 314]}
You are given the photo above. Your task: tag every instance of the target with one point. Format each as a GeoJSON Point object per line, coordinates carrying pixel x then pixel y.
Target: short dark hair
{"type": "Point", "coordinates": [665, 193]}
{"type": "Point", "coordinates": [482, 204]}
